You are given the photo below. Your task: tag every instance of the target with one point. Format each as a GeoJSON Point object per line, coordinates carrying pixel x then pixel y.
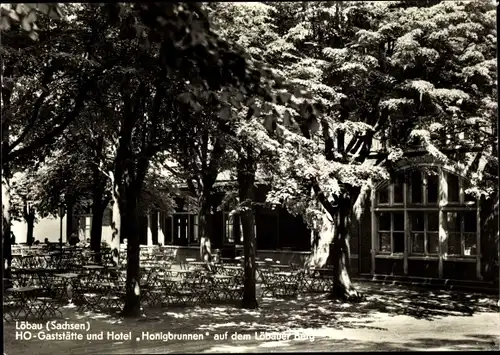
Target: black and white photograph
{"type": "Point", "coordinates": [249, 177]}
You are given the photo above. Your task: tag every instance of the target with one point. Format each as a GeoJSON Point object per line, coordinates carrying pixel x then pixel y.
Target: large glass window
{"type": "Point", "coordinates": [391, 232]}
{"type": "Point", "coordinates": [461, 230]}
{"type": "Point", "coordinates": [415, 197]}
{"type": "Point", "coordinates": [424, 232]}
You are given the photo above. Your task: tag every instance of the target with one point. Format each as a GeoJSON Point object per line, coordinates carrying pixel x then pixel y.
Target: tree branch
{"type": "Point", "coordinates": [36, 108]}
{"type": "Point", "coordinates": [47, 138]}
{"type": "Point", "coordinates": [329, 207]}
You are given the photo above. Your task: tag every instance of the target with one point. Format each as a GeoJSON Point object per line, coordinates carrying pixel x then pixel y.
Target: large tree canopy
{"type": "Point", "coordinates": [319, 99]}
{"type": "Point", "coordinates": [378, 73]}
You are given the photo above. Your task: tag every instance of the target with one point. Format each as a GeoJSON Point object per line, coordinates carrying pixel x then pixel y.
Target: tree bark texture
{"type": "Point", "coordinates": [246, 181]}
{"type": "Point", "coordinates": [115, 222]}
{"type": "Point", "coordinates": [30, 223]}
{"type": "Point", "coordinates": [130, 230]}
{"type": "Point", "coordinates": [6, 222]}
{"type": "Point", "coordinates": [130, 186]}
{"type": "Point", "coordinates": [204, 229]}
{"type": "Point", "coordinates": [96, 229]}
{"type": "Point", "coordinates": [341, 256]}
{"type": "Point", "coordinates": [99, 202]}
{"type": "Point", "coordinates": [322, 240]}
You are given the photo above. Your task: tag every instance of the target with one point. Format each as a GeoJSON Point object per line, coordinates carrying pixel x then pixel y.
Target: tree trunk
{"type": "Point", "coordinates": [130, 230]}
{"type": "Point", "coordinates": [6, 221]}
{"type": "Point", "coordinates": [30, 223]}
{"type": "Point", "coordinates": [96, 229]}
{"type": "Point", "coordinates": [204, 229]}
{"type": "Point", "coordinates": [98, 205]}
{"type": "Point", "coordinates": [115, 221]}
{"type": "Point", "coordinates": [341, 256]}
{"type": "Point", "coordinates": [246, 180]}
{"type": "Point", "coordinates": [131, 189]}
{"type": "Point", "coordinates": [5, 164]}
{"type": "Point", "coordinates": [321, 241]}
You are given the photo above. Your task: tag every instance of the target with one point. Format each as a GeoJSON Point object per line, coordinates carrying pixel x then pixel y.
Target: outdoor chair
{"type": "Point", "coordinates": [236, 292]}
{"type": "Point", "coordinates": [46, 305]}
{"type": "Point", "coordinates": [321, 280]}
{"type": "Point", "coordinates": [286, 289]}
{"type": "Point", "coordinates": [268, 278]}
{"type": "Point", "coordinates": [181, 295]}
{"type": "Point", "coordinates": [11, 308]}
{"type": "Point", "coordinates": [38, 305]}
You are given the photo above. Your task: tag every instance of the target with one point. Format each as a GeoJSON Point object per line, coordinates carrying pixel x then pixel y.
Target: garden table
{"type": "Point", "coordinates": [234, 271]}
{"type": "Point", "coordinates": [154, 287]}
{"type": "Point", "coordinates": [95, 270]}
{"type": "Point", "coordinates": [269, 278]}
{"type": "Point", "coordinates": [287, 283]}
{"type": "Point", "coordinates": [149, 281]}
{"type": "Point", "coordinates": [45, 277]}
{"type": "Point", "coordinates": [180, 290]}
{"type": "Point", "coordinates": [70, 285]}
{"type": "Point", "coordinates": [21, 277]}
{"type": "Point", "coordinates": [98, 292]}
{"type": "Point", "coordinates": [25, 299]}
{"type": "Point", "coordinates": [28, 276]}
{"type": "Point", "coordinates": [221, 285]}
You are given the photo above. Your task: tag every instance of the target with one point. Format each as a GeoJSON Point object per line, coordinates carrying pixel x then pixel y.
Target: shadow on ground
{"type": "Point", "coordinates": [317, 311]}
{"type": "Point", "coordinates": [334, 325]}
{"type": "Point", "coordinates": [330, 345]}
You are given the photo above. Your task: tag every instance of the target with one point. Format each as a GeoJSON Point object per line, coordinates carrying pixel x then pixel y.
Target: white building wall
{"type": "Point", "coordinates": [44, 228]}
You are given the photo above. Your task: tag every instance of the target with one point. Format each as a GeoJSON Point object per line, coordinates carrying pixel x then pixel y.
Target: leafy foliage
{"type": "Point", "coordinates": [380, 74]}
{"type": "Point", "coordinates": [25, 15]}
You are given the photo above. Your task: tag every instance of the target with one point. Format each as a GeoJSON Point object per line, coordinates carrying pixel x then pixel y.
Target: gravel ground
{"type": "Point", "coordinates": [391, 318]}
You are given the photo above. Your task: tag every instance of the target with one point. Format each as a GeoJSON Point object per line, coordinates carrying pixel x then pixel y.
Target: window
{"type": "Point", "coordinates": [416, 187]}
{"type": "Point", "coordinates": [432, 188]}
{"type": "Point", "coordinates": [424, 232]}
{"type": "Point", "coordinates": [414, 197]}
{"type": "Point", "coordinates": [228, 228]}
{"type": "Point", "coordinates": [184, 231]}
{"type": "Point", "coordinates": [384, 232]}
{"type": "Point", "coordinates": [84, 226]}
{"type": "Point", "coordinates": [462, 233]}
{"type": "Point", "coordinates": [453, 188]}
{"type": "Point", "coordinates": [423, 187]}
{"type": "Point", "coordinates": [232, 234]}
{"type": "Point", "coordinates": [398, 190]}
{"type": "Point", "coordinates": [383, 195]}
{"type": "Point", "coordinates": [391, 232]}
{"type": "Point", "coordinates": [398, 233]}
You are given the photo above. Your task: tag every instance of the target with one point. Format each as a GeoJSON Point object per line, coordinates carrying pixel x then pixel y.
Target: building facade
{"type": "Point", "coordinates": [421, 224]}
